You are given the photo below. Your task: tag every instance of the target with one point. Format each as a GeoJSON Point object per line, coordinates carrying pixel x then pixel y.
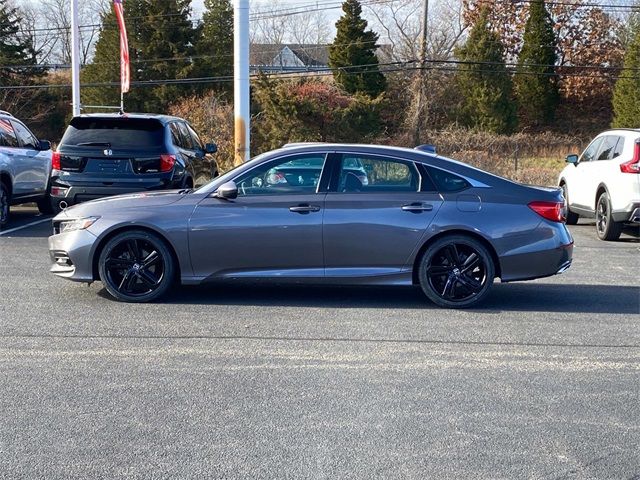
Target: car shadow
{"type": "Point", "coordinates": [534, 297]}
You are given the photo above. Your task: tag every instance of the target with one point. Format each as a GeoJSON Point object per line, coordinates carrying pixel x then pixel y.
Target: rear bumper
{"type": "Point", "coordinates": [527, 266]}
{"type": "Point", "coordinates": [631, 214]}
{"type": "Point", "coordinates": [73, 194]}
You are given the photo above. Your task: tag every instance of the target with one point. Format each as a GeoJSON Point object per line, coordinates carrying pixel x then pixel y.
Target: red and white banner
{"type": "Point", "coordinates": [124, 47]}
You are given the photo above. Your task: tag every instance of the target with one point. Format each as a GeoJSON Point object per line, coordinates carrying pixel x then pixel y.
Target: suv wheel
{"type": "Point", "coordinates": [4, 204]}
{"type": "Point", "coordinates": [136, 266]}
{"type": "Point", "coordinates": [606, 227]}
{"type": "Point", "coordinates": [456, 272]}
{"type": "Point", "coordinates": [572, 217]}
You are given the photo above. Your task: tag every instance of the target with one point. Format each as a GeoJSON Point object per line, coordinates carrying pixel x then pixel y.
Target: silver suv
{"type": "Point", "coordinates": [25, 167]}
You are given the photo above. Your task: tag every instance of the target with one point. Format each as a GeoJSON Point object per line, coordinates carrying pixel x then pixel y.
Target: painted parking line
{"type": "Point", "coordinates": [22, 227]}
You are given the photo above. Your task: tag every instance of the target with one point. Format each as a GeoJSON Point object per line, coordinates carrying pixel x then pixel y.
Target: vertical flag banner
{"type": "Point", "coordinates": [124, 48]}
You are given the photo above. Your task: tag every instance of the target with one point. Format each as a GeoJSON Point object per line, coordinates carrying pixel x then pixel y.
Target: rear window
{"type": "Point", "coordinates": [134, 133]}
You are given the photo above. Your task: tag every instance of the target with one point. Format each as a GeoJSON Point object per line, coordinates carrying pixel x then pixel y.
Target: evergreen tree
{"type": "Point", "coordinates": [484, 82]}
{"type": "Point", "coordinates": [14, 51]}
{"type": "Point", "coordinates": [626, 94]}
{"type": "Point", "coordinates": [214, 44]}
{"type": "Point", "coordinates": [352, 54]}
{"type": "Point", "coordinates": [160, 37]}
{"type": "Point", "coordinates": [536, 83]}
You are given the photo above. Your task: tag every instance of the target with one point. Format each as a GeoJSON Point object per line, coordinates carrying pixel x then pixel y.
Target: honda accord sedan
{"type": "Point", "coordinates": [322, 214]}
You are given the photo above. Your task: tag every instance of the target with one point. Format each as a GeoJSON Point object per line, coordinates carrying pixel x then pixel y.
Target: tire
{"type": "Point", "coordinates": [457, 271]}
{"type": "Point", "coordinates": [606, 227]}
{"type": "Point", "coordinates": [4, 205]}
{"type": "Point", "coordinates": [136, 266]}
{"type": "Point", "coordinates": [572, 217]}
{"type": "Point", "coordinates": [46, 205]}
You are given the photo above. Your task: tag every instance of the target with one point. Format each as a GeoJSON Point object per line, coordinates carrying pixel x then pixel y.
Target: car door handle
{"type": "Point", "coordinates": [417, 207]}
{"type": "Point", "coordinates": [304, 208]}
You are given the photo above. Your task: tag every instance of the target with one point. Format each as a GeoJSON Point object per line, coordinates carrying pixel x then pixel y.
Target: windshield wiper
{"type": "Point", "coordinates": [93, 144]}
{"type": "Point", "coordinates": [185, 190]}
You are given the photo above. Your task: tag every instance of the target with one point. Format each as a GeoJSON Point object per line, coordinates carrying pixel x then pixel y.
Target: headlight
{"type": "Point", "coordinates": [77, 224]}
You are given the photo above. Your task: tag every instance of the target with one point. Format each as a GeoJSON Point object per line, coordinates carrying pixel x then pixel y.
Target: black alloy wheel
{"type": "Point", "coordinates": [4, 205]}
{"type": "Point", "coordinates": [136, 266]}
{"type": "Point", "coordinates": [456, 272]}
{"type": "Point", "coordinates": [606, 227]}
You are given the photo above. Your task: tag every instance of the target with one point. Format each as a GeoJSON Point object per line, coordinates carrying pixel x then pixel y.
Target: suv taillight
{"type": "Point", "coordinates": [167, 162]}
{"type": "Point", "coordinates": [633, 165]}
{"type": "Point", "coordinates": [55, 161]}
{"type": "Point", "coordinates": [553, 211]}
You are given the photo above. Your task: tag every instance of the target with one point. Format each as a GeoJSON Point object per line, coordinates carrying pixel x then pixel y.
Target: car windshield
{"type": "Point", "coordinates": [125, 132]}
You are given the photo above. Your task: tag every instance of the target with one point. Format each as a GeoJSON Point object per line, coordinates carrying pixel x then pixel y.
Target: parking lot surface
{"type": "Point", "coordinates": [543, 381]}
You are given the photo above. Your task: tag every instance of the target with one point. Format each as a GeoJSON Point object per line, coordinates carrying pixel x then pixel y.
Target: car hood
{"type": "Point", "coordinates": [135, 201]}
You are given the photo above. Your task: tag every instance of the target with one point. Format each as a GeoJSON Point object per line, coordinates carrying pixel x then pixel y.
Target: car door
{"type": "Point", "coordinates": [32, 168]}
{"type": "Point", "coordinates": [373, 224]}
{"type": "Point", "coordinates": [580, 183]}
{"type": "Point", "coordinates": [273, 228]}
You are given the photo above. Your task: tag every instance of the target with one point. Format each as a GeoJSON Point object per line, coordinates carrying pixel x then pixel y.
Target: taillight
{"type": "Point", "coordinates": [55, 161]}
{"type": "Point", "coordinates": [553, 211]}
{"type": "Point", "coordinates": [633, 165]}
{"type": "Point", "coordinates": [167, 162]}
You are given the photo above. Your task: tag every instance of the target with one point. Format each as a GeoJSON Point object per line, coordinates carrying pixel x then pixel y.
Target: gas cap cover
{"type": "Point", "coordinates": [468, 203]}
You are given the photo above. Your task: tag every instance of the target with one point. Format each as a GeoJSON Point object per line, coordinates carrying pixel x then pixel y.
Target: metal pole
{"type": "Point", "coordinates": [75, 59]}
{"type": "Point", "coordinates": [241, 79]}
{"type": "Point", "coordinates": [422, 77]}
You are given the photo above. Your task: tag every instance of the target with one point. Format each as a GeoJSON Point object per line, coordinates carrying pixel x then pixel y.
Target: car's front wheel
{"type": "Point", "coordinates": [136, 266]}
{"type": "Point", "coordinates": [456, 272]}
{"type": "Point", "coordinates": [606, 227]}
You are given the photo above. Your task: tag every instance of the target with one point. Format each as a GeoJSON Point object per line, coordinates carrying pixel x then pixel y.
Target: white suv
{"type": "Point", "coordinates": [604, 182]}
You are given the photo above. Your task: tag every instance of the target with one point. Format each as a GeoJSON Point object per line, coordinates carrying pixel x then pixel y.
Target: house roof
{"type": "Point", "coordinates": [310, 54]}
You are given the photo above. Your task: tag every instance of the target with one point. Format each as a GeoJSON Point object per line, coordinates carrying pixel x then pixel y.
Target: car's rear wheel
{"type": "Point", "coordinates": [456, 272]}
{"type": "Point", "coordinates": [136, 266]}
{"type": "Point", "coordinates": [606, 227]}
{"type": "Point", "coordinates": [4, 205]}
{"type": "Point", "coordinates": [572, 217]}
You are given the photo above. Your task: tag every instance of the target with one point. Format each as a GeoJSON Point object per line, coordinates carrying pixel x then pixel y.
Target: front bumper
{"type": "Point", "coordinates": [71, 255]}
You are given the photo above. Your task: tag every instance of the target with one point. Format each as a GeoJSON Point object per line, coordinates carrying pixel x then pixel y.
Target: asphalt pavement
{"type": "Point", "coordinates": [542, 381]}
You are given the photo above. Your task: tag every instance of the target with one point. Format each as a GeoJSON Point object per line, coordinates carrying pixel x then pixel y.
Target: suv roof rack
{"type": "Point", "coordinates": [426, 148]}
{"type": "Point", "coordinates": [4, 112]}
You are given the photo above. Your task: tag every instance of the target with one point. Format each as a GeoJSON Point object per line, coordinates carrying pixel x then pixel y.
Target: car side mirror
{"type": "Point", "coordinates": [573, 158]}
{"type": "Point", "coordinates": [211, 148]}
{"type": "Point", "coordinates": [44, 145]}
{"type": "Point", "coordinates": [227, 191]}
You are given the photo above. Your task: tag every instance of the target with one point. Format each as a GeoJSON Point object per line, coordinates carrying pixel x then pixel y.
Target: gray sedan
{"type": "Point", "coordinates": [322, 213]}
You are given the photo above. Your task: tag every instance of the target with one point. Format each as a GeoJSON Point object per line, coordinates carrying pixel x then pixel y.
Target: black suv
{"type": "Point", "coordinates": [110, 154]}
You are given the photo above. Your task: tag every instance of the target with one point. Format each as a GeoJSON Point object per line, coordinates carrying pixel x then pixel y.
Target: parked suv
{"type": "Point", "coordinates": [110, 154]}
{"type": "Point", "coordinates": [604, 182]}
{"type": "Point", "coordinates": [25, 163]}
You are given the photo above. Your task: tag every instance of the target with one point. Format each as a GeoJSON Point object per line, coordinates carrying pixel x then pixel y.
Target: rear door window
{"type": "Point", "coordinates": [125, 133]}
{"type": "Point", "coordinates": [372, 174]}
{"type": "Point", "coordinates": [25, 137]}
{"type": "Point", "coordinates": [619, 148]}
{"type": "Point", "coordinates": [7, 134]}
{"type": "Point", "coordinates": [608, 145]}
